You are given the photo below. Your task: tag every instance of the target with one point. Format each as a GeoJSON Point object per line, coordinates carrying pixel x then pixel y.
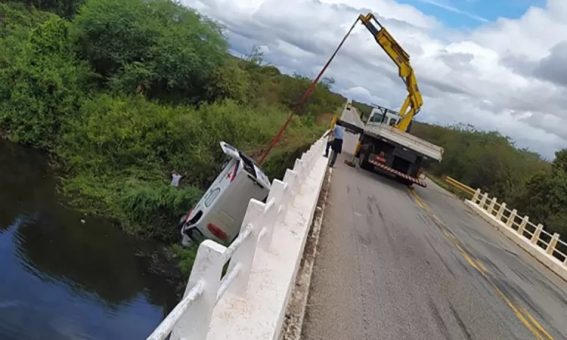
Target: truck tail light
{"type": "Point", "coordinates": [218, 232]}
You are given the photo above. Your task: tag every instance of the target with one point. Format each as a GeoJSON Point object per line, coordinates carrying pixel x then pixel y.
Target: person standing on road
{"type": "Point", "coordinates": [338, 134]}
{"type": "Point", "coordinates": [330, 139]}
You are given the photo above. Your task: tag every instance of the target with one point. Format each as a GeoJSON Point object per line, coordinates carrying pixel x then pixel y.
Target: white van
{"type": "Point", "coordinates": [219, 213]}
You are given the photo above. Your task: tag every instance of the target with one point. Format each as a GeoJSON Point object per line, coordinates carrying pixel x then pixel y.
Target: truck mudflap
{"type": "Point", "coordinates": [386, 168]}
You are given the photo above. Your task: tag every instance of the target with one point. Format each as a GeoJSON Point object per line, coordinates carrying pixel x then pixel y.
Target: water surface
{"type": "Point", "coordinates": [63, 278]}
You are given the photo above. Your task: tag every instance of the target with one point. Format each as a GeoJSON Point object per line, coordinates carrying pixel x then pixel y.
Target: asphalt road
{"type": "Point", "coordinates": [399, 264]}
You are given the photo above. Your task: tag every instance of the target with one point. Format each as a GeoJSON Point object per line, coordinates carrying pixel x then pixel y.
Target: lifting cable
{"type": "Point", "coordinates": [299, 104]}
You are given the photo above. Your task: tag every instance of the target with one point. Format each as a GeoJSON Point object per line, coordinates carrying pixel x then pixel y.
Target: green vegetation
{"type": "Point", "coordinates": [123, 92]}
{"type": "Point", "coordinates": [485, 160]}
{"type": "Point", "coordinates": [63, 8]}
{"type": "Point", "coordinates": [363, 108]}
{"type": "Point", "coordinates": [545, 195]}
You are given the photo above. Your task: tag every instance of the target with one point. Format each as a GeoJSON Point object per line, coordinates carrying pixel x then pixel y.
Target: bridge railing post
{"type": "Point", "coordinates": [275, 206]}
{"type": "Point", "coordinates": [511, 218]}
{"type": "Point", "coordinates": [536, 234]}
{"type": "Point", "coordinates": [300, 168]}
{"type": "Point", "coordinates": [476, 196]}
{"type": "Point", "coordinates": [206, 271]}
{"type": "Point", "coordinates": [290, 178]}
{"type": "Point", "coordinates": [552, 244]}
{"type": "Point", "coordinates": [491, 205]}
{"type": "Point", "coordinates": [500, 212]}
{"type": "Point", "coordinates": [311, 156]}
{"type": "Point", "coordinates": [483, 201]}
{"type": "Point", "coordinates": [243, 256]}
{"type": "Point", "coordinates": [523, 225]}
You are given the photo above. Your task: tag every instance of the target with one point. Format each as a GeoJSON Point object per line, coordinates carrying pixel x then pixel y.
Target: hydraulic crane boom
{"type": "Point", "coordinates": [413, 101]}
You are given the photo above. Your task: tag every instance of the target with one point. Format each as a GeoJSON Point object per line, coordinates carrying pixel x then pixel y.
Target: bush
{"type": "Point", "coordinates": [156, 47]}
{"type": "Point", "coordinates": [42, 83]}
{"type": "Point", "coordinates": [158, 207]}
{"type": "Point", "coordinates": [119, 152]}
{"type": "Point", "coordinates": [63, 8]}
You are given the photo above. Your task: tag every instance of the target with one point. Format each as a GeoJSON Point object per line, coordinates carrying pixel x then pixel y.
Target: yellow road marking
{"type": "Point", "coordinates": [481, 265]}
{"type": "Point", "coordinates": [518, 314]}
{"type": "Point", "coordinates": [523, 316]}
{"type": "Point", "coordinates": [417, 199]}
{"type": "Point", "coordinates": [472, 262]}
{"type": "Point", "coordinates": [537, 324]}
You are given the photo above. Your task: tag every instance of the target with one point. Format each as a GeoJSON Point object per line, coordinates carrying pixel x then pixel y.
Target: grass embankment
{"type": "Point", "coordinates": [123, 92]}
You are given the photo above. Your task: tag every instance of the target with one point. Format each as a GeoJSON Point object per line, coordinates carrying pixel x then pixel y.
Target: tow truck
{"type": "Point", "coordinates": [385, 144]}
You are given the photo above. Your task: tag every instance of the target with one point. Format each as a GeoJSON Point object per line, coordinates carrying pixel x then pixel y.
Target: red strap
{"type": "Point", "coordinates": [276, 139]}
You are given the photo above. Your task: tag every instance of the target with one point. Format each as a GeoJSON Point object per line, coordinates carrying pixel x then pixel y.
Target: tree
{"type": "Point", "coordinates": [255, 56]}
{"type": "Point", "coordinates": [42, 82]}
{"type": "Point", "coordinates": [560, 161]}
{"type": "Point", "coordinates": [157, 47]}
{"type": "Point", "coordinates": [230, 81]}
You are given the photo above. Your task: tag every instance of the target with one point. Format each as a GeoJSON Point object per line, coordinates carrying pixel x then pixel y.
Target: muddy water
{"type": "Point", "coordinates": [64, 275]}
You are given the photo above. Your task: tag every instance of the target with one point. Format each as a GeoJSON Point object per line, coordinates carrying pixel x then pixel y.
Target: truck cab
{"type": "Point", "coordinates": [380, 115]}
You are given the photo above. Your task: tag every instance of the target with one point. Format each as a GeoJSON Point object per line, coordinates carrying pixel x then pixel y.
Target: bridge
{"type": "Point", "coordinates": [348, 254]}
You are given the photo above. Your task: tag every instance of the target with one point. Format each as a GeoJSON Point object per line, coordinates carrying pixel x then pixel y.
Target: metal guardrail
{"type": "Point", "coordinates": [191, 318]}
{"type": "Point", "coordinates": [535, 234]}
{"type": "Point", "coordinates": [460, 186]}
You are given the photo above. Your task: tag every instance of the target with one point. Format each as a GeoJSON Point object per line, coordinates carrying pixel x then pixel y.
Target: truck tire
{"type": "Point", "coordinates": [404, 181]}
{"type": "Point", "coordinates": [363, 157]}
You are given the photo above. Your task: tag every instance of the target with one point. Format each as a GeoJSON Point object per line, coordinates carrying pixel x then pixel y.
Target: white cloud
{"type": "Point", "coordinates": [507, 75]}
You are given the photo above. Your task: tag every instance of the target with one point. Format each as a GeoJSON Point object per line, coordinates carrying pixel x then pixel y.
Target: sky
{"type": "Point", "coordinates": [499, 65]}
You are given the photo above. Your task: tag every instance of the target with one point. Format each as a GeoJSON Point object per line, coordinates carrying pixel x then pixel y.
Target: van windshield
{"type": "Point", "coordinates": [248, 164]}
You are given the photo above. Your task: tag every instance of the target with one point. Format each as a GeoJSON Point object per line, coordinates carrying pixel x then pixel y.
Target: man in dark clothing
{"type": "Point", "coordinates": [338, 134]}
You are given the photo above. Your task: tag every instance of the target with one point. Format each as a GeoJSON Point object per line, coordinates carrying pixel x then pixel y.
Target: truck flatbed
{"type": "Point", "coordinates": [405, 139]}
{"type": "Point", "coordinates": [351, 121]}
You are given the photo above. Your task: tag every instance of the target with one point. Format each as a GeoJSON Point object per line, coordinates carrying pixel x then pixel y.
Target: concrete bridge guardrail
{"type": "Point", "coordinates": [545, 247]}
{"type": "Point", "coordinates": [250, 299]}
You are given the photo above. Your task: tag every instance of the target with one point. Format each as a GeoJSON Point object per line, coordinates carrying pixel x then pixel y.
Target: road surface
{"type": "Point", "coordinates": [399, 264]}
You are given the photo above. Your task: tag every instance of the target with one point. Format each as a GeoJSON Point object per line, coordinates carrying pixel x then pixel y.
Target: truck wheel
{"type": "Point", "coordinates": [363, 157]}
{"type": "Point", "coordinates": [405, 182]}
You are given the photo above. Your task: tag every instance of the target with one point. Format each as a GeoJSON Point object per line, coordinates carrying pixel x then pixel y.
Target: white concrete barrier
{"type": "Point", "coordinates": [532, 238]}
{"type": "Point", "coordinates": [250, 300]}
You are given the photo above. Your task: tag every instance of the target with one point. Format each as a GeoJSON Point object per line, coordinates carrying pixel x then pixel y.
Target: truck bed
{"type": "Point", "coordinates": [350, 119]}
{"type": "Point", "coordinates": [404, 139]}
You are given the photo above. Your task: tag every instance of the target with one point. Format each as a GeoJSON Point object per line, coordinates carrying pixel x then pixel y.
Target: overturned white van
{"type": "Point", "coordinates": [219, 213]}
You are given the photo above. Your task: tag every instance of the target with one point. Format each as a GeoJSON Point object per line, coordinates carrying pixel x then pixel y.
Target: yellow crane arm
{"type": "Point", "coordinates": [413, 101]}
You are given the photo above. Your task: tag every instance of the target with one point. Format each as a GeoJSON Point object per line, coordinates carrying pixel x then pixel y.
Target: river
{"type": "Point", "coordinates": [64, 275]}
